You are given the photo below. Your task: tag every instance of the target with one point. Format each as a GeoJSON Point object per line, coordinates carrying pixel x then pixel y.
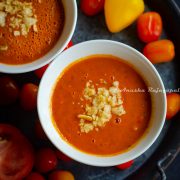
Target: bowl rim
{"type": "Point", "coordinates": [38, 63]}
{"type": "Point", "coordinates": [105, 164]}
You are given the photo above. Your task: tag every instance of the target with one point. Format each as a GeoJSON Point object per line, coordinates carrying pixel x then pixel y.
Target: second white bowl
{"type": "Point", "coordinates": [140, 64]}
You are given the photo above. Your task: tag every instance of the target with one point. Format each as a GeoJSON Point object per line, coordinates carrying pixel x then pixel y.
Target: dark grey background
{"type": "Point", "coordinates": [145, 166]}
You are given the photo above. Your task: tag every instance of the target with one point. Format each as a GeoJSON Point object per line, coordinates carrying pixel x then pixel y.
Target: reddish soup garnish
{"type": "Point", "coordinates": [29, 29]}
{"type": "Point", "coordinates": [95, 109]}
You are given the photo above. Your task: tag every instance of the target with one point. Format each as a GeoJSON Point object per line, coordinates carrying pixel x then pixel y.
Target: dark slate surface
{"type": "Point", "coordinates": [89, 28]}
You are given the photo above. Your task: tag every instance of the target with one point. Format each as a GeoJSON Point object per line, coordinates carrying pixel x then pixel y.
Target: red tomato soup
{"type": "Point", "coordinates": [29, 29]}
{"type": "Point", "coordinates": [95, 109]}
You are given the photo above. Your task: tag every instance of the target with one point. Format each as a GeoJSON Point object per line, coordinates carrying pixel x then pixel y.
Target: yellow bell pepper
{"type": "Point", "coordinates": [121, 13]}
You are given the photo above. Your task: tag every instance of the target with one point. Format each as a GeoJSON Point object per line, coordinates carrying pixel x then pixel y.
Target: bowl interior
{"type": "Point", "coordinates": [133, 57]}
{"type": "Point", "coordinates": [70, 9]}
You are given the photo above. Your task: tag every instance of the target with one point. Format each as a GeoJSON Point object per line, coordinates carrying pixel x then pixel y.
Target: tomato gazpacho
{"type": "Point", "coordinates": [101, 105]}
{"type": "Point", "coordinates": [29, 29]}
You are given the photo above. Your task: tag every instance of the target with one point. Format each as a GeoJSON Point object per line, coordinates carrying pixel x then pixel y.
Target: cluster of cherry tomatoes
{"type": "Point", "coordinates": [149, 30]}
{"type": "Point", "coordinates": [10, 92]}
{"type": "Point", "coordinates": [19, 160]}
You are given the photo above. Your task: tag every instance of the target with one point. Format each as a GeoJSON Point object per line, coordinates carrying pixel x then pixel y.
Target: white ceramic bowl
{"type": "Point", "coordinates": [70, 8]}
{"type": "Point", "coordinates": [133, 57]}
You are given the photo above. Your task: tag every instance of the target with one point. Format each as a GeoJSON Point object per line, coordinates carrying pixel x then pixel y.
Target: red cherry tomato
{"type": "Point", "coordinates": [39, 131]}
{"type": "Point", "coordinates": [173, 105]}
{"type": "Point", "coordinates": [28, 96]}
{"type": "Point", "coordinates": [39, 72]}
{"type": "Point", "coordinates": [9, 91]}
{"type": "Point", "coordinates": [34, 176]}
{"type": "Point", "coordinates": [149, 26]}
{"type": "Point", "coordinates": [61, 175]}
{"type": "Point", "coordinates": [46, 160]}
{"type": "Point", "coordinates": [159, 51]}
{"type": "Point", "coordinates": [16, 154]}
{"type": "Point", "coordinates": [125, 165]}
{"type": "Point", "coordinates": [92, 7]}
{"type": "Point", "coordinates": [70, 44]}
{"type": "Point", "coordinates": [62, 156]}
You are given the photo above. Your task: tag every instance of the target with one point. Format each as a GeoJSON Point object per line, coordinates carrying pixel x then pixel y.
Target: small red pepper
{"type": "Point", "coordinates": [125, 165]}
